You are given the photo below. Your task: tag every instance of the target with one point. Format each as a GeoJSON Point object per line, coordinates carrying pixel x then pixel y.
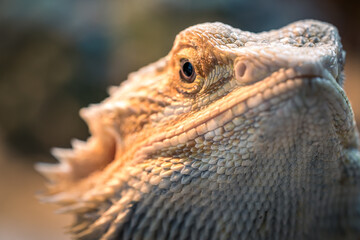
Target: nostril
{"type": "Point", "coordinates": [240, 69]}
{"type": "Point", "coordinates": [248, 71]}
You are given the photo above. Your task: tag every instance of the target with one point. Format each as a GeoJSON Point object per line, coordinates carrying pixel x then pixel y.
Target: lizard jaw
{"type": "Point", "coordinates": [256, 98]}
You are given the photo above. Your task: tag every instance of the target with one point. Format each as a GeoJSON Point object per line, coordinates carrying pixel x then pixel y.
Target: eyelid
{"type": "Point", "coordinates": [183, 60]}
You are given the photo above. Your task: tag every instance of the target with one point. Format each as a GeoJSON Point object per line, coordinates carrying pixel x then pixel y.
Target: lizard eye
{"type": "Point", "coordinates": [187, 72]}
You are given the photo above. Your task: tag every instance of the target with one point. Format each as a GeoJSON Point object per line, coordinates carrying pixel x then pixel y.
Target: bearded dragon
{"type": "Point", "coordinates": [232, 135]}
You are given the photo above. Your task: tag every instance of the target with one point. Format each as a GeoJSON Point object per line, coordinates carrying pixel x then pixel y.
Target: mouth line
{"type": "Point", "coordinates": [255, 98]}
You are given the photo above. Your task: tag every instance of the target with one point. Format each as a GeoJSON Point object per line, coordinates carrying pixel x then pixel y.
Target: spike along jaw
{"type": "Point", "coordinates": [85, 157]}
{"type": "Point", "coordinates": [110, 123]}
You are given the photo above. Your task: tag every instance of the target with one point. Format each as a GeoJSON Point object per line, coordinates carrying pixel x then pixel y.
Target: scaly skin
{"type": "Point", "coordinates": [261, 145]}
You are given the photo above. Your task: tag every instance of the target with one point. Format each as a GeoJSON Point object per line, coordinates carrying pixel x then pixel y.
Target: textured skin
{"type": "Point", "coordinates": [262, 145]}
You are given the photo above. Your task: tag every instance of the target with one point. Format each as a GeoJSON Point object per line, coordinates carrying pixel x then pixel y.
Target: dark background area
{"type": "Point", "coordinates": [59, 56]}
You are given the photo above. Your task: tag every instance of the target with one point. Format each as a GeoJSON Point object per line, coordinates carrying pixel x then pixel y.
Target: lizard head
{"type": "Point", "coordinates": [222, 97]}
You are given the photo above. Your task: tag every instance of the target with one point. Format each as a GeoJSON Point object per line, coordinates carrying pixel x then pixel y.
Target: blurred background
{"type": "Point", "coordinates": [59, 56]}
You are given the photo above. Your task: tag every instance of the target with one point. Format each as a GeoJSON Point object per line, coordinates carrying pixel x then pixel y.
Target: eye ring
{"type": "Point", "coordinates": [187, 71]}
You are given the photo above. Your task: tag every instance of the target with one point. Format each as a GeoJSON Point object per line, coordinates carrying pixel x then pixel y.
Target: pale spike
{"type": "Point", "coordinates": [80, 207]}
{"type": "Point", "coordinates": [79, 144]}
{"type": "Point", "coordinates": [54, 172]}
{"type": "Point", "coordinates": [62, 154]}
{"type": "Point", "coordinates": [112, 89]}
{"type": "Point", "coordinates": [63, 198]}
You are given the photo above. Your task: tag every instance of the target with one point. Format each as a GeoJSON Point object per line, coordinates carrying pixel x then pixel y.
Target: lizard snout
{"type": "Point", "coordinates": [259, 63]}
